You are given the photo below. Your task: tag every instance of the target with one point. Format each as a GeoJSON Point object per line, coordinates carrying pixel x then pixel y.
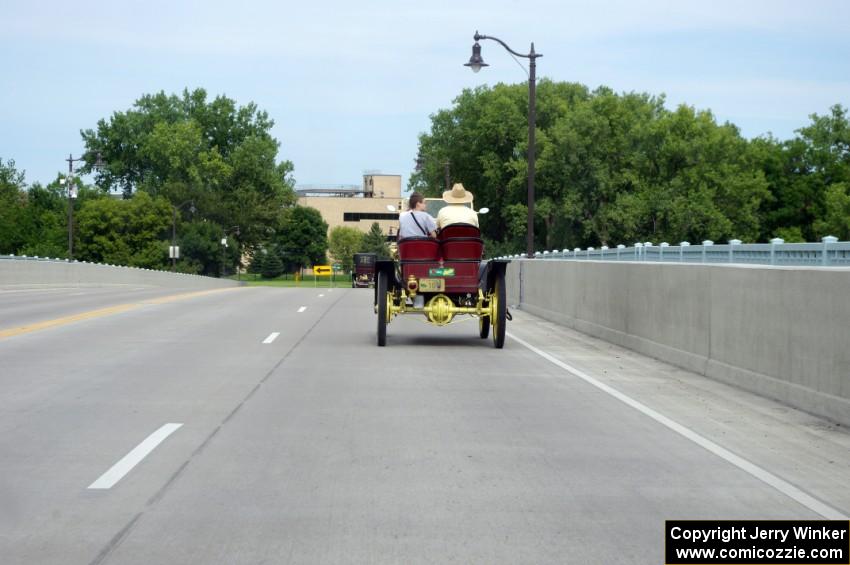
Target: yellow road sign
{"type": "Point", "coordinates": [322, 269]}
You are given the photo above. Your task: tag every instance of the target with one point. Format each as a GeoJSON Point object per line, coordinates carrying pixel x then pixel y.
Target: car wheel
{"type": "Point", "coordinates": [498, 310]}
{"type": "Point", "coordinates": [484, 327]}
{"type": "Point", "coordinates": [382, 298]}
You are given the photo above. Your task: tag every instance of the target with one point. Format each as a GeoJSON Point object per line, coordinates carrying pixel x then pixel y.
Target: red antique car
{"type": "Point", "coordinates": [443, 278]}
{"type": "Point", "coordinates": [364, 270]}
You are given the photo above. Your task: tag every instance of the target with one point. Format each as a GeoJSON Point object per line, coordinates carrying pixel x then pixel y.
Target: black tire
{"type": "Point", "coordinates": [484, 327]}
{"type": "Point", "coordinates": [500, 297]}
{"type": "Point", "coordinates": [381, 297]}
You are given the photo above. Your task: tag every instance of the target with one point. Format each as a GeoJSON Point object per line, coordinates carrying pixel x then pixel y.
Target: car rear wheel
{"type": "Point", "coordinates": [381, 297]}
{"type": "Point", "coordinates": [498, 309]}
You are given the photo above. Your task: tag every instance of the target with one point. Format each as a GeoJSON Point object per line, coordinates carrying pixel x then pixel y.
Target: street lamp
{"type": "Point", "coordinates": [174, 210]}
{"type": "Point", "coordinates": [475, 63]}
{"type": "Point", "coordinates": [420, 164]}
{"type": "Point", "coordinates": [69, 181]}
{"type": "Point", "coordinates": [232, 229]}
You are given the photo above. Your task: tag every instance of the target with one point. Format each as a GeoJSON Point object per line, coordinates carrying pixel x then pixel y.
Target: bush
{"type": "Point", "coordinates": [272, 266]}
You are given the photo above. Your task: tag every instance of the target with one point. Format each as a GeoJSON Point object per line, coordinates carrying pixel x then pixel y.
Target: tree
{"type": "Point", "coordinates": [836, 220]}
{"type": "Point", "coordinates": [257, 259]}
{"type": "Point", "coordinates": [301, 237]}
{"type": "Point", "coordinates": [45, 218]}
{"type": "Point", "coordinates": [375, 242]}
{"type": "Point", "coordinates": [343, 243]}
{"type": "Point", "coordinates": [805, 176]}
{"type": "Point", "coordinates": [218, 154]}
{"type": "Point", "coordinates": [12, 205]}
{"type": "Point", "coordinates": [132, 232]}
{"type": "Point", "coordinates": [272, 266]}
{"type": "Point", "coordinates": [612, 168]}
{"type": "Point", "coordinates": [201, 250]}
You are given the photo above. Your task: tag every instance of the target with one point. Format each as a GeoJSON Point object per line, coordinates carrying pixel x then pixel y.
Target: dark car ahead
{"type": "Point", "coordinates": [364, 270]}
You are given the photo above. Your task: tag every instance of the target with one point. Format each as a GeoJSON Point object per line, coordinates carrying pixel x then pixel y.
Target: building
{"type": "Point", "coordinates": [357, 206]}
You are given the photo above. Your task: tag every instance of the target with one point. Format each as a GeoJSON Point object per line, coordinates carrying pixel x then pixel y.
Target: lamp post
{"type": "Point", "coordinates": [69, 181]}
{"type": "Point", "coordinates": [232, 229]}
{"type": "Point", "coordinates": [174, 210]}
{"type": "Point", "coordinates": [420, 164]}
{"type": "Point", "coordinates": [475, 63]}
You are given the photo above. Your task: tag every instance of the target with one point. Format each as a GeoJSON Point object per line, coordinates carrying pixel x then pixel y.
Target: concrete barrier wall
{"type": "Point", "coordinates": [14, 272]}
{"type": "Point", "coordinates": [782, 332]}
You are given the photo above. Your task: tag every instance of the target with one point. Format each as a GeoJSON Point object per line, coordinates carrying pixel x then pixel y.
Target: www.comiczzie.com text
{"type": "Point", "coordinates": [757, 542]}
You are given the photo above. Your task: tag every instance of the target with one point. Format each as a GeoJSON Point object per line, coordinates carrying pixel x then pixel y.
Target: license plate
{"type": "Point", "coordinates": [441, 272]}
{"type": "Point", "coordinates": [432, 285]}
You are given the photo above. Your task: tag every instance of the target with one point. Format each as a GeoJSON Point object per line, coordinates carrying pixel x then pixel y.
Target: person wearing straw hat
{"type": "Point", "coordinates": [456, 211]}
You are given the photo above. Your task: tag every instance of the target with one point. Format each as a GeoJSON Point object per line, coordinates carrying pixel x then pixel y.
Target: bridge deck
{"type": "Point", "coordinates": [316, 446]}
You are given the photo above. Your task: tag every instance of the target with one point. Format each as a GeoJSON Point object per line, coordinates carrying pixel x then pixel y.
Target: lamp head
{"type": "Point", "coordinates": [476, 61]}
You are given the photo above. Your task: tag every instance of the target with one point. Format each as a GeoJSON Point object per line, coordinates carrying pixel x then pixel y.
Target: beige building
{"type": "Point", "coordinates": [357, 207]}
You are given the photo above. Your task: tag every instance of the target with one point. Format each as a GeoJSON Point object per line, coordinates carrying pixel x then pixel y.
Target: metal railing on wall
{"type": "Point", "coordinates": [13, 257]}
{"type": "Point", "coordinates": [828, 253]}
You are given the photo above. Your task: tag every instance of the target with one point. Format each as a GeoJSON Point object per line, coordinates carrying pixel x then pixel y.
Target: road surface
{"type": "Point", "coordinates": [263, 425]}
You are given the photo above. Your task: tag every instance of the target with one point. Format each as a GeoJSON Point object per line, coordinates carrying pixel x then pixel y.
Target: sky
{"type": "Point", "coordinates": [350, 85]}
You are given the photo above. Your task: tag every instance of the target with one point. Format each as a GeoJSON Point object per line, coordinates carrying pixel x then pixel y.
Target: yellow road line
{"type": "Point", "coordinates": [173, 297]}
{"type": "Point", "coordinates": [101, 312]}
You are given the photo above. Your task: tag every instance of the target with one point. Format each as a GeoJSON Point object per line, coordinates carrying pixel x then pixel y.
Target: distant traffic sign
{"type": "Point", "coordinates": [321, 269]}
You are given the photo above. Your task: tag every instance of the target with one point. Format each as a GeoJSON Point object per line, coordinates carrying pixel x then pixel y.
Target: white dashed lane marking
{"type": "Point", "coordinates": [126, 464]}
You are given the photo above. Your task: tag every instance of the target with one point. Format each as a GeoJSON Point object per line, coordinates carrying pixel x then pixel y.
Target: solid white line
{"type": "Point", "coordinates": [763, 475]}
{"type": "Point", "coordinates": [272, 337]}
{"type": "Point", "coordinates": [321, 295]}
{"type": "Point", "coordinates": [302, 309]}
{"type": "Point", "coordinates": [126, 464]}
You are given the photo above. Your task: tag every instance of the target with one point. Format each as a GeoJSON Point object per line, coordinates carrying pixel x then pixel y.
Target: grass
{"type": "Point", "coordinates": [338, 281]}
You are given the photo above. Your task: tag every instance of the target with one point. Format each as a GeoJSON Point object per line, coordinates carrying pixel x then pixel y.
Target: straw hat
{"type": "Point", "coordinates": [457, 195]}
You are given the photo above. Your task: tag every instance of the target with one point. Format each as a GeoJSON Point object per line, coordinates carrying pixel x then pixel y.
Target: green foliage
{"type": "Point", "coordinates": [201, 249]}
{"type": "Point", "coordinates": [218, 154]}
{"type": "Point", "coordinates": [272, 266]}
{"type": "Point", "coordinates": [255, 267]}
{"type": "Point", "coordinates": [343, 243]}
{"type": "Point", "coordinates": [808, 177]}
{"type": "Point", "coordinates": [45, 219]}
{"type": "Point", "coordinates": [375, 242]}
{"type": "Point", "coordinates": [619, 168]}
{"type": "Point", "coordinates": [836, 219]}
{"type": "Point", "coordinates": [12, 206]}
{"type": "Point", "coordinates": [790, 235]}
{"type": "Point", "coordinates": [300, 238]}
{"type": "Point", "coordinates": [130, 232]}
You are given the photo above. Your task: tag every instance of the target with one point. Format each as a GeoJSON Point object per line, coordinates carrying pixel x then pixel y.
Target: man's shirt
{"type": "Point", "coordinates": [456, 214]}
{"type": "Point", "coordinates": [407, 226]}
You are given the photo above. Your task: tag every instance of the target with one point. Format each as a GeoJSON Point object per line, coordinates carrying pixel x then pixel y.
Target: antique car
{"type": "Point", "coordinates": [364, 270]}
{"type": "Point", "coordinates": [443, 279]}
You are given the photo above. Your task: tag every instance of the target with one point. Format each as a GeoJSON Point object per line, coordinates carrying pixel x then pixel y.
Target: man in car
{"type": "Point", "coordinates": [416, 222]}
{"type": "Point", "coordinates": [457, 210]}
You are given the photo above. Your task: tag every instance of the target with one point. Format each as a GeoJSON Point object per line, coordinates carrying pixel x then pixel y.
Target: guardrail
{"type": "Point", "coordinates": [22, 269]}
{"type": "Point", "coordinates": [36, 258]}
{"type": "Point", "coordinates": [828, 253]}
